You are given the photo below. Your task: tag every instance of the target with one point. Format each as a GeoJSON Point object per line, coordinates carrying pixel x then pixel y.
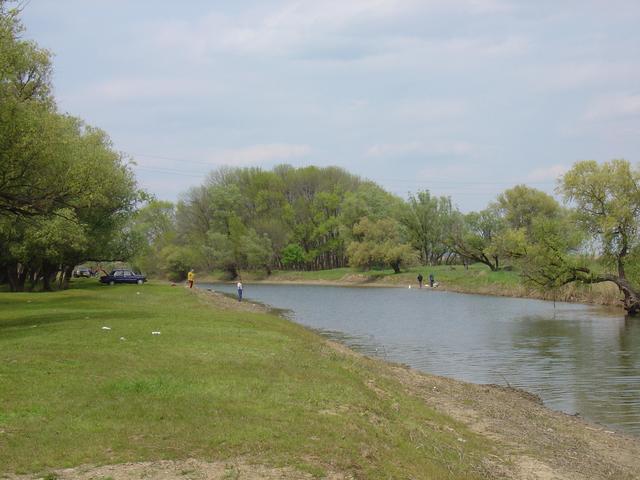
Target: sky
{"type": "Point", "coordinates": [463, 98]}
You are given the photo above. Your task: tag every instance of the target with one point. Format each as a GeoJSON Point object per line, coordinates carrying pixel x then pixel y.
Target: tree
{"type": "Point", "coordinates": [48, 242]}
{"type": "Point", "coordinates": [607, 201]}
{"type": "Point", "coordinates": [473, 236]}
{"type": "Point", "coordinates": [240, 249]}
{"type": "Point", "coordinates": [379, 244]}
{"type": "Point", "coordinates": [154, 228]}
{"type": "Point", "coordinates": [521, 204]}
{"type": "Point", "coordinates": [293, 256]}
{"type": "Point", "coordinates": [428, 222]}
{"type": "Point", "coordinates": [28, 123]}
{"type": "Point", "coordinates": [65, 194]}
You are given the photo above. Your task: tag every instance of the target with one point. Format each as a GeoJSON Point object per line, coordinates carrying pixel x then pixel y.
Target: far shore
{"type": "Point", "coordinates": [475, 280]}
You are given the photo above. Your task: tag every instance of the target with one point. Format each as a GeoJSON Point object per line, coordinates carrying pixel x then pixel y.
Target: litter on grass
{"type": "Point", "coordinates": [106, 328]}
{"type": "Point", "coordinates": [155, 333]}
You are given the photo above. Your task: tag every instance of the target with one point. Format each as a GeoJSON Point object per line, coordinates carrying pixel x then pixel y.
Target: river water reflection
{"type": "Point", "coordinates": [579, 359]}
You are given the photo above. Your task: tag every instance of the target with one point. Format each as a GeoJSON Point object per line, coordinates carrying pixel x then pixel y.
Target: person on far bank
{"type": "Point", "coordinates": [191, 277]}
{"type": "Point", "coordinates": [420, 278]}
{"type": "Point", "coordinates": [431, 280]}
{"type": "Point", "coordinates": [239, 291]}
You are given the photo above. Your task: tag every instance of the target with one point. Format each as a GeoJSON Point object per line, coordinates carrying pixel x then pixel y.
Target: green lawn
{"type": "Point", "coordinates": [214, 385]}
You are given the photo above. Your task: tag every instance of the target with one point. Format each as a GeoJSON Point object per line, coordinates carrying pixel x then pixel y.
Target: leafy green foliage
{"type": "Point", "coordinates": [65, 194]}
{"type": "Point", "coordinates": [521, 205]}
{"type": "Point", "coordinates": [473, 236]}
{"type": "Point", "coordinates": [249, 218]}
{"type": "Point", "coordinates": [607, 200]}
{"type": "Point", "coordinates": [379, 244]}
{"type": "Point", "coordinates": [428, 221]}
{"type": "Point", "coordinates": [292, 256]}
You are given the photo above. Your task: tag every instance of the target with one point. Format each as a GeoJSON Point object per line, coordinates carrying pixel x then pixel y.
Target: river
{"type": "Point", "coordinates": [577, 358]}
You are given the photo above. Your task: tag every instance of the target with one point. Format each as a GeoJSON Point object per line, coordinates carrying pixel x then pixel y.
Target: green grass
{"type": "Point", "coordinates": [475, 275]}
{"type": "Point", "coordinates": [215, 385]}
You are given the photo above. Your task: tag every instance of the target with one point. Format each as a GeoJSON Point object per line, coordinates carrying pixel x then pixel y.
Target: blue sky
{"type": "Point", "coordinates": [463, 98]}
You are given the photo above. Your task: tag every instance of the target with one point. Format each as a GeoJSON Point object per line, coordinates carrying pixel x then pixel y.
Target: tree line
{"type": "Point", "coordinates": [64, 190]}
{"type": "Point", "coordinates": [314, 218]}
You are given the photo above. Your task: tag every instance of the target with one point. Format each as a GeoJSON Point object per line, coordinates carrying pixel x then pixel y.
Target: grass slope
{"type": "Point", "coordinates": [215, 385]}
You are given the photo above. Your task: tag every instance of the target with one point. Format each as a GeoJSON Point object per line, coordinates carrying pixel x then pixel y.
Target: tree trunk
{"type": "Point", "coordinates": [631, 300]}
{"type": "Point", "coordinates": [631, 296]}
{"type": "Point", "coordinates": [12, 276]}
{"type": "Point", "coordinates": [48, 276]}
{"type": "Point", "coordinates": [33, 279]}
{"type": "Point", "coordinates": [66, 276]}
{"type": "Point", "coordinates": [46, 281]}
{"type": "Point", "coordinates": [17, 276]}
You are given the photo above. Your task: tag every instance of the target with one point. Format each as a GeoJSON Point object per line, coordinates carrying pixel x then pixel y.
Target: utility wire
{"type": "Point", "coordinates": [399, 180]}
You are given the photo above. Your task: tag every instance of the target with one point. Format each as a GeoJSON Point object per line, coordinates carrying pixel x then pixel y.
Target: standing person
{"type": "Point", "coordinates": [431, 280]}
{"type": "Point", "coordinates": [191, 277]}
{"type": "Point", "coordinates": [239, 291]}
{"type": "Point", "coordinates": [420, 278]}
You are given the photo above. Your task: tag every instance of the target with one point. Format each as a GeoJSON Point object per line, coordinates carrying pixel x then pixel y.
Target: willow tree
{"type": "Point", "coordinates": [606, 198]}
{"type": "Point", "coordinates": [380, 244]}
{"type": "Point", "coordinates": [26, 111]}
{"type": "Point", "coordinates": [428, 220]}
{"type": "Point", "coordinates": [473, 236]}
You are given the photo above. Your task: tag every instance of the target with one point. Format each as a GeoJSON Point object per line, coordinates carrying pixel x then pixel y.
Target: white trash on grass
{"type": "Point", "coordinates": [155, 333]}
{"type": "Point", "coordinates": [106, 328]}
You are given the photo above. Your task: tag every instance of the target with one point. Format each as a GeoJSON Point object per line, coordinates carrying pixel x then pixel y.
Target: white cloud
{"type": "Point", "coordinates": [258, 154]}
{"type": "Point", "coordinates": [547, 173]}
{"type": "Point", "coordinates": [613, 106]}
{"type": "Point", "coordinates": [308, 25]}
{"type": "Point", "coordinates": [282, 31]}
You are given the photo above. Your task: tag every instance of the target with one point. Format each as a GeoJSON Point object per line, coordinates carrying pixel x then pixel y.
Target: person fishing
{"type": "Point", "coordinates": [239, 291]}
{"type": "Point", "coordinates": [431, 280]}
{"type": "Point", "coordinates": [420, 278]}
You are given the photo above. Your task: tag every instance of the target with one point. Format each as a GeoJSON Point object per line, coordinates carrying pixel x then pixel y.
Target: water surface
{"type": "Point", "coordinates": [579, 359]}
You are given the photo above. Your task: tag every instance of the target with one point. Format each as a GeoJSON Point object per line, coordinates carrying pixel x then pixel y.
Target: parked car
{"type": "Point", "coordinates": [123, 276]}
{"type": "Point", "coordinates": [82, 272]}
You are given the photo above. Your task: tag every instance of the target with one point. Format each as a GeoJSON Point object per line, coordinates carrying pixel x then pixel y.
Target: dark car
{"type": "Point", "coordinates": [123, 276]}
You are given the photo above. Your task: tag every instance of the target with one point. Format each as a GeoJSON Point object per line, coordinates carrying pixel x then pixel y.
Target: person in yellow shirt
{"type": "Point", "coordinates": [191, 277]}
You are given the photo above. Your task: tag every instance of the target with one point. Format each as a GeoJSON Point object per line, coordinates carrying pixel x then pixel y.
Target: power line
{"type": "Point", "coordinates": [430, 181]}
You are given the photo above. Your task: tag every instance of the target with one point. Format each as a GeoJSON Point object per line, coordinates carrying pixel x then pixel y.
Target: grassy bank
{"type": "Point", "coordinates": [477, 278]}
{"type": "Point", "coordinates": [226, 391]}
{"type": "Point", "coordinates": [214, 385]}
